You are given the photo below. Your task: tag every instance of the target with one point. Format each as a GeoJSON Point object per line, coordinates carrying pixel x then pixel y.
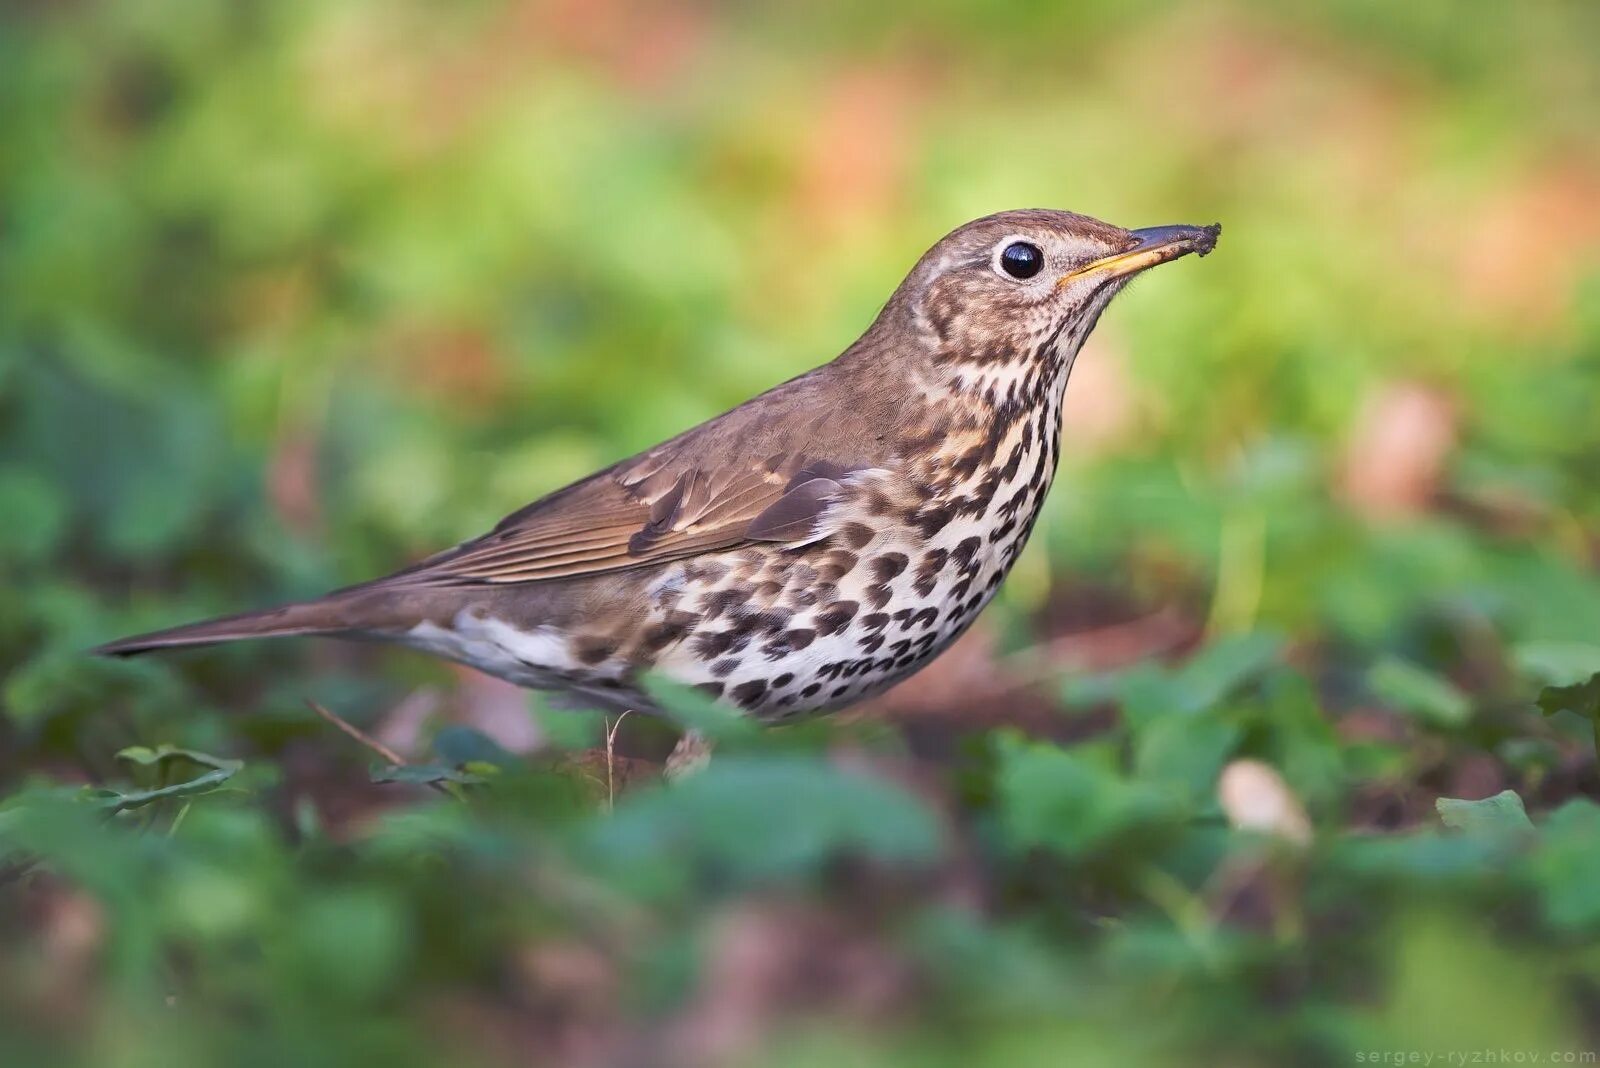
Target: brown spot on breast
{"type": "Point", "coordinates": [674, 628]}
{"type": "Point", "coordinates": [967, 463]}
{"type": "Point", "coordinates": [799, 638]}
{"type": "Point", "coordinates": [833, 619]}
{"type": "Point", "coordinates": [888, 565]}
{"type": "Point", "coordinates": [709, 645]}
{"type": "Point", "coordinates": [1013, 462]}
{"type": "Point", "coordinates": [878, 503]}
{"type": "Point", "coordinates": [856, 535]}
{"type": "Point", "coordinates": [928, 572]}
{"type": "Point", "coordinates": [707, 572]}
{"type": "Point", "coordinates": [965, 552]}
{"type": "Point", "coordinates": [748, 693]}
{"type": "Point", "coordinates": [932, 519]}
{"type": "Point", "coordinates": [836, 565]}
{"type": "Point", "coordinates": [768, 622]}
{"type": "Point", "coordinates": [717, 602]}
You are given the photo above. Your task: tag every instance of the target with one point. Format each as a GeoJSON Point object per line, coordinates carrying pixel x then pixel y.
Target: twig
{"type": "Point", "coordinates": [611, 757]}
{"type": "Point", "coordinates": [369, 741]}
{"type": "Point", "coordinates": [358, 734]}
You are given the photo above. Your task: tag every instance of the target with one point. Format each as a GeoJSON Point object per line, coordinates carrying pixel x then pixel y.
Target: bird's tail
{"type": "Point", "coordinates": [325, 616]}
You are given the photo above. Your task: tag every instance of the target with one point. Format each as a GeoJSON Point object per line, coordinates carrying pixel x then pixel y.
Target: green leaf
{"type": "Point", "coordinates": [1565, 866]}
{"type": "Point", "coordinates": [1147, 692]}
{"type": "Point", "coordinates": [1409, 688]}
{"type": "Point", "coordinates": [222, 769]}
{"type": "Point", "coordinates": [1301, 739]}
{"type": "Point", "coordinates": [351, 944]}
{"type": "Point", "coordinates": [1557, 663]}
{"type": "Point", "coordinates": [1224, 666]}
{"type": "Point", "coordinates": [1450, 859]}
{"type": "Point", "coordinates": [140, 754]}
{"type": "Point", "coordinates": [1185, 751]}
{"type": "Point", "coordinates": [1502, 812]}
{"type": "Point", "coordinates": [35, 515]}
{"type": "Point", "coordinates": [80, 433]}
{"type": "Point", "coordinates": [759, 817]}
{"type": "Point", "coordinates": [1073, 801]}
{"type": "Point", "coordinates": [423, 774]}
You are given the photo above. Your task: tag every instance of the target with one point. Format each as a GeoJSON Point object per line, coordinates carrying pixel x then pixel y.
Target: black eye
{"type": "Point", "coordinates": [1022, 260]}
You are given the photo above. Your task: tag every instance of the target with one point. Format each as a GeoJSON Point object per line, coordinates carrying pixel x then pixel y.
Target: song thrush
{"type": "Point", "coordinates": [808, 548]}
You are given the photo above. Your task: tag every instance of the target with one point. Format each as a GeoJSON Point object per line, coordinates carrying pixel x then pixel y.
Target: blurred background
{"type": "Point", "coordinates": [293, 293]}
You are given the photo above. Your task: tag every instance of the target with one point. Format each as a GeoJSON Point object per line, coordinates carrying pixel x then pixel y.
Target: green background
{"type": "Point", "coordinates": [292, 293]}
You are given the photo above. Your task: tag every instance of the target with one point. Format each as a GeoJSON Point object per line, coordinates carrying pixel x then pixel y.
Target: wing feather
{"type": "Point", "coordinates": [647, 511]}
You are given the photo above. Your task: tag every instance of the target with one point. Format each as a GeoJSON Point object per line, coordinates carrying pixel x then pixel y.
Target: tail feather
{"type": "Point", "coordinates": [304, 618]}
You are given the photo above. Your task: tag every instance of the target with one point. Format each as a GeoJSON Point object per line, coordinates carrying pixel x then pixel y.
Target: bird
{"type": "Point", "coordinates": [804, 550]}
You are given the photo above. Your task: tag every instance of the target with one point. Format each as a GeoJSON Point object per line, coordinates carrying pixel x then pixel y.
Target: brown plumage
{"type": "Point", "coordinates": [812, 545]}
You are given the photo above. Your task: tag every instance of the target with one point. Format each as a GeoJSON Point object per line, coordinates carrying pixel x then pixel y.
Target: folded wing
{"type": "Point", "coordinates": [654, 508]}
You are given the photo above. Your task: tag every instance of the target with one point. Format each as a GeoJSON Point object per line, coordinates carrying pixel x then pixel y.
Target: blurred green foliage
{"type": "Point", "coordinates": [294, 292]}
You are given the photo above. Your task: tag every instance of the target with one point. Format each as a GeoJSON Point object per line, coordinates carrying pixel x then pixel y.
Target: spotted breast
{"type": "Point", "coordinates": [904, 575]}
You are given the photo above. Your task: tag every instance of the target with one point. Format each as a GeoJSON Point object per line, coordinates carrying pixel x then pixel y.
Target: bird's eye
{"type": "Point", "coordinates": [1021, 259]}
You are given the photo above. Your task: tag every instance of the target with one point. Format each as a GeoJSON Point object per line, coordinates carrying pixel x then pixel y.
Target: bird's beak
{"type": "Point", "coordinates": [1157, 244]}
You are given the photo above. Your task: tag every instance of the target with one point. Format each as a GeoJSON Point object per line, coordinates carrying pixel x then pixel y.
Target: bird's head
{"type": "Point", "coordinates": [1019, 291]}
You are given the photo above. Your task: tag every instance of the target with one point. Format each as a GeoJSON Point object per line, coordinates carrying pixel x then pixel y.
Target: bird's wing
{"type": "Point", "coordinates": [662, 505]}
